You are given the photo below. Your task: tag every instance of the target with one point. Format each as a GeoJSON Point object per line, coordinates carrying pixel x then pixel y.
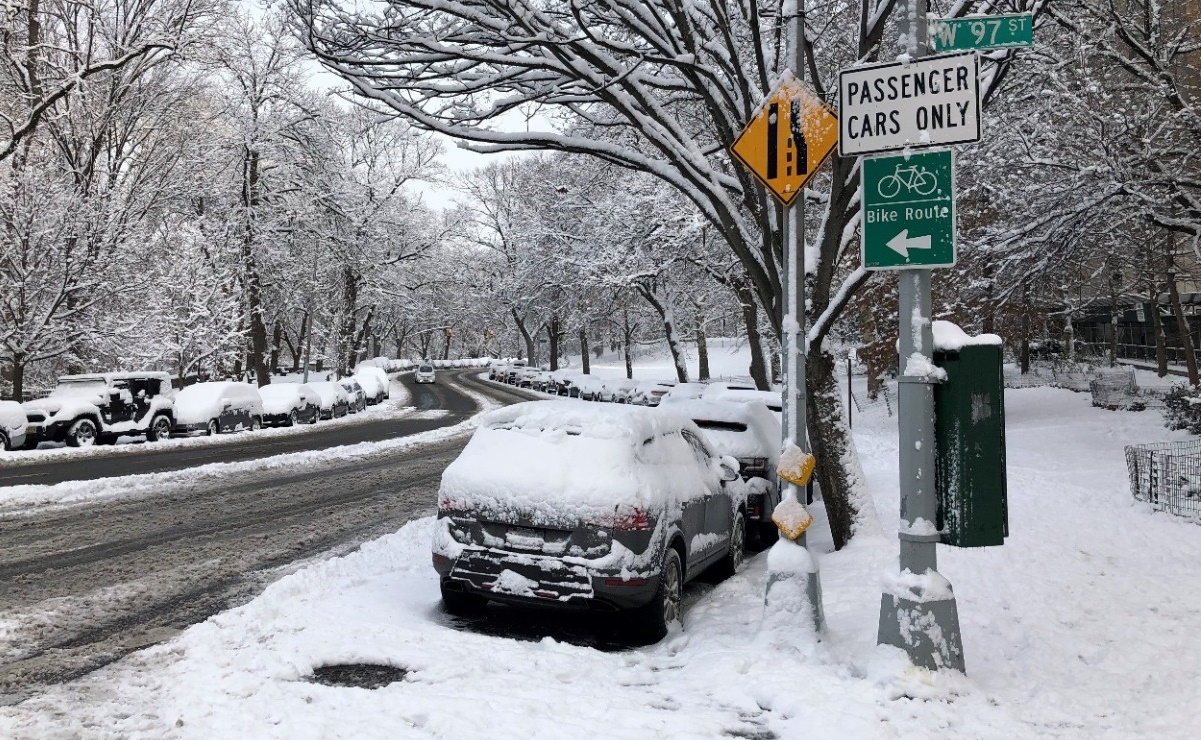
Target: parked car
{"type": "Point", "coordinates": [649, 393]}
{"type": "Point", "coordinates": [749, 432]}
{"type": "Point", "coordinates": [585, 387]}
{"type": "Point", "coordinates": [333, 399]}
{"type": "Point", "coordinates": [12, 425]}
{"type": "Point", "coordinates": [773, 400]}
{"type": "Point", "coordinates": [424, 374]}
{"type": "Point", "coordinates": [358, 398]}
{"type": "Point", "coordinates": [219, 406]}
{"type": "Point", "coordinates": [686, 390]}
{"type": "Point", "coordinates": [83, 410]}
{"type": "Point", "coordinates": [525, 377]}
{"type": "Point", "coordinates": [617, 390]}
{"type": "Point", "coordinates": [543, 382]}
{"type": "Point", "coordinates": [514, 369]}
{"type": "Point", "coordinates": [288, 404]}
{"type": "Point", "coordinates": [375, 383]}
{"type": "Point", "coordinates": [567, 504]}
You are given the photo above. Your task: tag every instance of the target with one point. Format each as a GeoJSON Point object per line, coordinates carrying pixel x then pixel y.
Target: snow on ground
{"type": "Point", "coordinates": [1081, 626]}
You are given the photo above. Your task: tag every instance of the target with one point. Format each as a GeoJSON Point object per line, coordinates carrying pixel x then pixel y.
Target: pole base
{"type": "Point", "coordinates": [793, 584]}
{"type": "Point", "coordinates": [928, 631]}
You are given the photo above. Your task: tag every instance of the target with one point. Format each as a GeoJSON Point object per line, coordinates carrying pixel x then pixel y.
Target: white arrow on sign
{"type": "Point", "coordinates": [902, 243]}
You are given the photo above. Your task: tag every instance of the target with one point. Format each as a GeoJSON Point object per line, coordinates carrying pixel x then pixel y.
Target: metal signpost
{"type": "Point", "coordinates": [982, 32]}
{"type": "Point", "coordinates": [927, 102]}
{"type": "Point", "coordinates": [909, 211]}
{"type": "Point", "coordinates": [787, 140]}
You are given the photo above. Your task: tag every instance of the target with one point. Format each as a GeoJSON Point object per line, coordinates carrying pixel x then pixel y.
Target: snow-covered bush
{"type": "Point", "coordinates": [1182, 408]}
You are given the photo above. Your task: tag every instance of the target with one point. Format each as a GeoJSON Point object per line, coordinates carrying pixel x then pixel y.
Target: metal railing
{"type": "Point", "coordinates": [1167, 475]}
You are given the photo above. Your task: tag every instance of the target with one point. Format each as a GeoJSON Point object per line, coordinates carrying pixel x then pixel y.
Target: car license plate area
{"type": "Point", "coordinates": [554, 580]}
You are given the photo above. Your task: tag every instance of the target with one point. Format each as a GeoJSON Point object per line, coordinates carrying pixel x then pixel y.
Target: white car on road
{"type": "Point", "coordinates": [425, 373]}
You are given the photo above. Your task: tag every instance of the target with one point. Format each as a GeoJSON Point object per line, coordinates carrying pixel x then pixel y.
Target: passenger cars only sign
{"type": "Point", "coordinates": [932, 101]}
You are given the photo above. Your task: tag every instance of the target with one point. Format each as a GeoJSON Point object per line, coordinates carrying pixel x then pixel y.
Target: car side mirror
{"type": "Point", "coordinates": [729, 468]}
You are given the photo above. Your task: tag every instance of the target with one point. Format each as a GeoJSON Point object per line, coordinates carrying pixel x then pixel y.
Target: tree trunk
{"type": "Point", "coordinates": [254, 288]}
{"type": "Point", "coordinates": [585, 360]}
{"type": "Point", "coordinates": [346, 332]}
{"type": "Point", "coordinates": [1186, 337]}
{"type": "Point", "coordinates": [628, 343]}
{"type": "Point", "coordinates": [277, 344]}
{"type": "Point", "coordinates": [525, 334]}
{"type": "Point", "coordinates": [1161, 347]}
{"type": "Point", "coordinates": [830, 439]}
{"type": "Point", "coordinates": [450, 333]}
{"type": "Point", "coordinates": [651, 294]}
{"type": "Point", "coordinates": [750, 317]}
{"type": "Point", "coordinates": [1025, 349]}
{"type": "Point", "coordinates": [702, 349]}
{"type": "Point", "coordinates": [18, 363]}
{"type": "Point", "coordinates": [552, 344]}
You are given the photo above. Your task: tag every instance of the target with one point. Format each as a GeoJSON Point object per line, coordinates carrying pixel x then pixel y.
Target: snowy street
{"type": "Point", "coordinates": [1079, 626]}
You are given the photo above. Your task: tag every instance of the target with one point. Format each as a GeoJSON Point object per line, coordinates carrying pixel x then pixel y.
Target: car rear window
{"type": "Point", "coordinates": [722, 426]}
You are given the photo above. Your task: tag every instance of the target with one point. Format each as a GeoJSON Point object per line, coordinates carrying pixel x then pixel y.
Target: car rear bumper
{"type": "Point", "coordinates": [522, 578]}
{"type": "Point", "coordinates": [200, 426]}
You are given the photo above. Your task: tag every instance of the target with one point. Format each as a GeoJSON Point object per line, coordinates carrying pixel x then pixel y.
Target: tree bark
{"type": "Point", "coordinates": [254, 288]}
{"type": "Point", "coordinates": [585, 360]}
{"type": "Point", "coordinates": [277, 344]}
{"type": "Point", "coordinates": [702, 348]}
{"type": "Point", "coordinates": [829, 439]}
{"type": "Point", "coordinates": [651, 294]}
{"type": "Point", "coordinates": [750, 318]}
{"type": "Point", "coordinates": [552, 344]}
{"type": "Point", "coordinates": [18, 363]}
{"type": "Point", "coordinates": [1186, 336]}
{"type": "Point", "coordinates": [627, 338]}
{"type": "Point", "coordinates": [525, 334]}
{"type": "Point", "coordinates": [1161, 347]}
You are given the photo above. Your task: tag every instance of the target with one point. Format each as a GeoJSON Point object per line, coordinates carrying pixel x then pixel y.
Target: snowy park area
{"type": "Point", "coordinates": [1079, 626]}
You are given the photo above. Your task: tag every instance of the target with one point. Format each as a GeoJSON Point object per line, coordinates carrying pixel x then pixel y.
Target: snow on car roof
{"type": "Point", "coordinates": [574, 457]}
{"type": "Point", "coordinates": [210, 391]}
{"type": "Point", "coordinates": [109, 377]}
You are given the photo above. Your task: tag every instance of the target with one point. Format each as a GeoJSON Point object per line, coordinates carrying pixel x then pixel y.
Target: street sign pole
{"type": "Point", "coordinates": [918, 613]}
{"type": "Point", "coordinates": [795, 426]}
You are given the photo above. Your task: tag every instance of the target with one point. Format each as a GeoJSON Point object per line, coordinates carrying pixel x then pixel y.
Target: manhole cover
{"type": "Point", "coordinates": [358, 675]}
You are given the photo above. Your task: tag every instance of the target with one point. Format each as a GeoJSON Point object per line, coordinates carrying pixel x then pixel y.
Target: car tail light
{"type": "Point", "coordinates": [752, 467]}
{"type": "Point", "coordinates": [451, 506]}
{"type": "Point", "coordinates": [626, 521]}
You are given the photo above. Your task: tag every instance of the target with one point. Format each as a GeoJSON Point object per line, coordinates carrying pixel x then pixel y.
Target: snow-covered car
{"type": "Point", "coordinates": [12, 425]}
{"type": "Point", "coordinates": [218, 406]}
{"type": "Point", "coordinates": [83, 410]}
{"type": "Point", "coordinates": [686, 390]}
{"type": "Point", "coordinates": [525, 377]}
{"type": "Point", "coordinates": [333, 399]}
{"type": "Point", "coordinates": [615, 390]}
{"type": "Point", "coordinates": [424, 374]}
{"type": "Point", "coordinates": [585, 387]}
{"type": "Point", "coordinates": [568, 504]}
{"type": "Point", "coordinates": [375, 383]}
{"type": "Point", "coordinates": [358, 398]}
{"type": "Point", "coordinates": [773, 400]}
{"type": "Point", "coordinates": [649, 393]}
{"type": "Point", "coordinates": [750, 433]}
{"type": "Point", "coordinates": [288, 404]}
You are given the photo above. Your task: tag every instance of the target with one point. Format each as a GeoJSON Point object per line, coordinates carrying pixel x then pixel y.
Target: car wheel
{"type": "Point", "coordinates": [214, 428]}
{"type": "Point", "coordinates": [316, 416]}
{"type": "Point", "coordinates": [292, 418]}
{"type": "Point", "coordinates": [5, 444]}
{"type": "Point", "coordinates": [732, 562]}
{"type": "Point", "coordinates": [256, 424]}
{"type": "Point", "coordinates": [82, 433]}
{"type": "Point", "coordinates": [652, 621]}
{"type": "Point", "coordinates": [160, 429]}
{"type": "Point", "coordinates": [459, 603]}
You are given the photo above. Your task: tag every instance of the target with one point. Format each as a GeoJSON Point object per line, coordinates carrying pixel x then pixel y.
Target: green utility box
{"type": "Point", "coordinates": [969, 424]}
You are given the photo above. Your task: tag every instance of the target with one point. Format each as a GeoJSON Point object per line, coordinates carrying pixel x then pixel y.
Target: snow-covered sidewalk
{"type": "Point", "coordinates": [1080, 626]}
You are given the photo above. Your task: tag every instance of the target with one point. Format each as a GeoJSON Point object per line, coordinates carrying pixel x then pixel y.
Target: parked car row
{"type": "Point", "coordinates": [84, 410]}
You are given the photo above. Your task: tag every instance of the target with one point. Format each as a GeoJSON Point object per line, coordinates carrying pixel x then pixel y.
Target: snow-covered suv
{"type": "Point", "coordinates": [88, 409]}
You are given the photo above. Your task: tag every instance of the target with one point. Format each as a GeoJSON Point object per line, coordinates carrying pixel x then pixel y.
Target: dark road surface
{"type": "Point", "coordinates": [86, 584]}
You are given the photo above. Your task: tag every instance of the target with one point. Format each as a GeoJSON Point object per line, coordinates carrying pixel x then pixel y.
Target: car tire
{"type": "Point", "coordinates": [160, 429]}
{"type": "Point", "coordinates": [732, 562]}
{"type": "Point", "coordinates": [651, 622]}
{"type": "Point", "coordinates": [256, 424]}
{"type": "Point", "coordinates": [460, 604]}
{"type": "Point", "coordinates": [5, 443]}
{"type": "Point", "coordinates": [214, 428]}
{"type": "Point", "coordinates": [83, 433]}
{"type": "Point", "coordinates": [292, 418]}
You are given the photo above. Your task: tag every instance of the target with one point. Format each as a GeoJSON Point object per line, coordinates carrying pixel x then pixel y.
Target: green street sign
{"type": "Point", "coordinates": [982, 32]}
{"type": "Point", "coordinates": [908, 211]}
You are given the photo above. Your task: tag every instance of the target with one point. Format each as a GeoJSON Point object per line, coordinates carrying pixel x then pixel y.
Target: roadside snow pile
{"type": "Point", "coordinates": [1081, 626]}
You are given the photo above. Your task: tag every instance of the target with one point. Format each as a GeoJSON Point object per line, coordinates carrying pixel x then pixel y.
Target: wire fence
{"type": "Point", "coordinates": [1167, 475]}
{"type": "Point", "coordinates": [883, 399]}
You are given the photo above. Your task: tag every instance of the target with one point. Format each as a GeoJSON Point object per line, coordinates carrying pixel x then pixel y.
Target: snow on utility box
{"type": "Point", "coordinates": [969, 423]}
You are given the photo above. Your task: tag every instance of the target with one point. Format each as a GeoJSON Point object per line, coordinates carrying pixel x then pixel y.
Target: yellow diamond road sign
{"type": "Point", "coordinates": [767, 146]}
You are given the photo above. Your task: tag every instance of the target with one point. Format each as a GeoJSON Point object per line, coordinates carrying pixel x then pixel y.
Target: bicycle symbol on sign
{"type": "Point", "coordinates": [913, 178]}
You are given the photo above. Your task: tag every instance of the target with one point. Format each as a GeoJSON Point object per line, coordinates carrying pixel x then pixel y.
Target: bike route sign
{"type": "Point", "coordinates": [908, 211]}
